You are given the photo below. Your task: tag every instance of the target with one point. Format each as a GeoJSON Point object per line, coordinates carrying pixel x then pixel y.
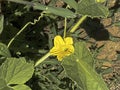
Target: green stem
{"type": "Point", "coordinates": [17, 35]}
{"type": "Point", "coordinates": [32, 23]}
{"type": "Point", "coordinates": [65, 28]}
{"type": "Point", "coordinates": [78, 23]}
{"type": "Point", "coordinates": [42, 59]}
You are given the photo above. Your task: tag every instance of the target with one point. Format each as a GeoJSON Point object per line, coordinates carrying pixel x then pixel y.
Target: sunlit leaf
{"type": "Point", "coordinates": [79, 70]}
{"type": "Point", "coordinates": [21, 87]}
{"type": "Point", "coordinates": [16, 71]}
{"type": "Point", "coordinates": [3, 85]}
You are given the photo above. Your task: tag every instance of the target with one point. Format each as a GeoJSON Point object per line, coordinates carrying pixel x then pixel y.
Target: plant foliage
{"type": "Point", "coordinates": [80, 65]}
{"type": "Point", "coordinates": [27, 31]}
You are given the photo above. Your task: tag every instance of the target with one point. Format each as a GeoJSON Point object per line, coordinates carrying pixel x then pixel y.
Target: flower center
{"type": "Point", "coordinates": [66, 49]}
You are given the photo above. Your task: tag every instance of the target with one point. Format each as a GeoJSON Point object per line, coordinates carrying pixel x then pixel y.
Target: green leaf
{"type": "Point", "coordinates": [72, 3]}
{"type": "Point", "coordinates": [79, 70]}
{"type": "Point", "coordinates": [92, 9]}
{"type": "Point", "coordinates": [3, 85]}
{"type": "Point", "coordinates": [4, 50]}
{"type": "Point", "coordinates": [16, 71]}
{"type": "Point", "coordinates": [21, 87]}
{"type": "Point", "coordinates": [83, 53]}
{"type": "Point", "coordinates": [55, 10]}
{"type": "Point", "coordinates": [6, 88]}
{"type": "Point", "coordinates": [1, 23]}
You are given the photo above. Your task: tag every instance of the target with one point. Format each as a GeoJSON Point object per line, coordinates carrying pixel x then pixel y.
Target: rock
{"type": "Point", "coordinates": [106, 65]}
{"type": "Point", "coordinates": [111, 3]}
{"type": "Point", "coordinates": [106, 21]}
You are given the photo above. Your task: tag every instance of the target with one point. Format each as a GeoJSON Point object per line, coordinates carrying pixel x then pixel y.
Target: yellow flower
{"type": "Point", "coordinates": [62, 47]}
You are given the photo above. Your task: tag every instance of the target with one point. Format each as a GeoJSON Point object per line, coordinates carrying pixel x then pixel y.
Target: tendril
{"type": "Point", "coordinates": [29, 23]}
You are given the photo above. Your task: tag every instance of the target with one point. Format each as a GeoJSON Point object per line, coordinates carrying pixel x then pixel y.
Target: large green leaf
{"type": "Point", "coordinates": [79, 70]}
{"type": "Point", "coordinates": [1, 23]}
{"type": "Point", "coordinates": [92, 8]}
{"type": "Point", "coordinates": [21, 87]}
{"type": "Point", "coordinates": [16, 71]}
{"type": "Point", "coordinates": [4, 50]}
{"type": "Point", "coordinates": [83, 53]}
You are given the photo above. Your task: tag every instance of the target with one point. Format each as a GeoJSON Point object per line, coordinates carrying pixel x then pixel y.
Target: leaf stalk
{"type": "Point", "coordinates": [78, 23]}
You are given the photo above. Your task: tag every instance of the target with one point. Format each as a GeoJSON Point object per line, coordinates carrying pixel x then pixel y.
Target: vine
{"type": "Point", "coordinates": [29, 23]}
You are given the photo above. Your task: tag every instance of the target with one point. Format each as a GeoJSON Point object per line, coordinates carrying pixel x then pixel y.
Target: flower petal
{"type": "Point", "coordinates": [71, 48]}
{"type": "Point", "coordinates": [54, 51]}
{"type": "Point", "coordinates": [60, 57]}
{"type": "Point", "coordinates": [68, 40]}
{"type": "Point", "coordinates": [58, 41]}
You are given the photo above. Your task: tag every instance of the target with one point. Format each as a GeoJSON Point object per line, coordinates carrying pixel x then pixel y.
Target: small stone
{"type": "Point", "coordinates": [106, 65]}
{"type": "Point", "coordinates": [117, 17]}
{"type": "Point", "coordinates": [111, 3]}
{"type": "Point", "coordinates": [106, 21]}
{"type": "Point", "coordinates": [59, 3]}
